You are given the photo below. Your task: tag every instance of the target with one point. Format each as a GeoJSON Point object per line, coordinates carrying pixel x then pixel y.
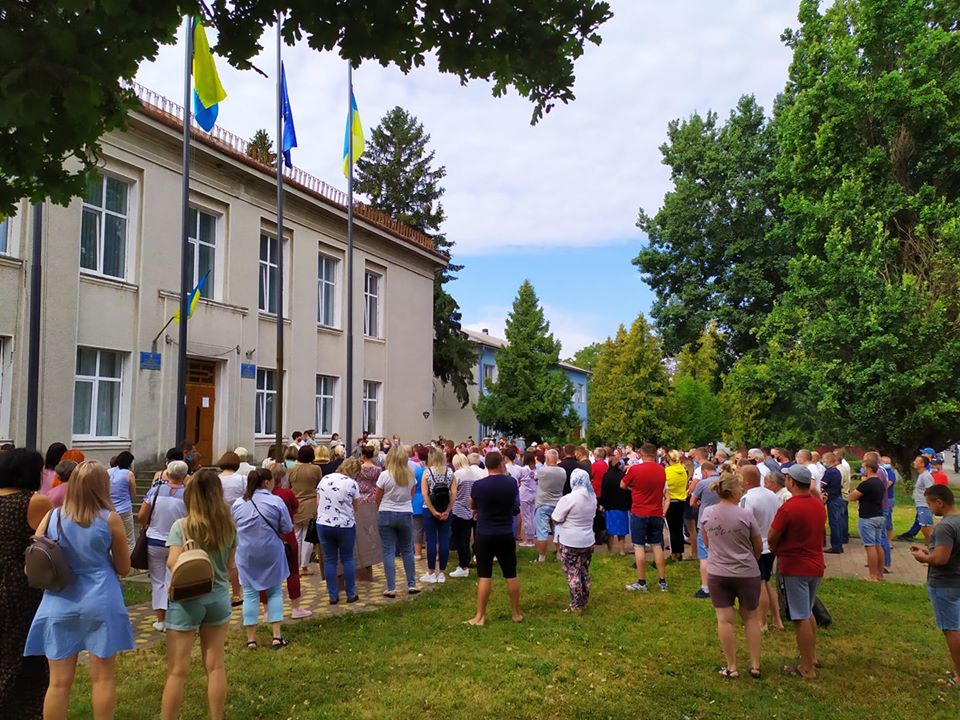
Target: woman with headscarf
{"type": "Point", "coordinates": [573, 518]}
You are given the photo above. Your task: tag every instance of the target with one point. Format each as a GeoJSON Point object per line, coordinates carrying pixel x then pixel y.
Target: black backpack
{"type": "Point", "coordinates": [440, 492]}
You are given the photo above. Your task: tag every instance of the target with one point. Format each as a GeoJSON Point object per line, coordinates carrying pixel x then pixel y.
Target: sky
{"type": "Point", "coordinates": [556, 202]}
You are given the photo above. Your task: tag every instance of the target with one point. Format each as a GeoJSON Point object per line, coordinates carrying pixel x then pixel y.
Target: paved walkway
{"type": "Point", "coordinates": [852, 563]}
{"type": "Point", "coordinates": [314, 597]}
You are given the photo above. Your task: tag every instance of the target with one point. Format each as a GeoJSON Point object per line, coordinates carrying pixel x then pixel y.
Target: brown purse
{"type": "Point", "coordinates": [45, 565]}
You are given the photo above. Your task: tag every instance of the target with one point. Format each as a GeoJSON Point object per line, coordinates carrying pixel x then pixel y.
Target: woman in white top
{"type": "Point", "coordinates": [338, 497]}
{"type": "Point", "coordinates": [394, 495]}
{"type": "Point", "coordinates": [161, 508]}
{"type": "Point", "coordinates": [573, 517]}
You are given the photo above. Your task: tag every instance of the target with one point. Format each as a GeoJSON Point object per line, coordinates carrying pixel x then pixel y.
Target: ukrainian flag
{"type": "Point", "coordinates": [193, 298]}
{"type": "Point", "coordinates": [207, 90]}
{"type": "Point", "coordinates": [356, 129]}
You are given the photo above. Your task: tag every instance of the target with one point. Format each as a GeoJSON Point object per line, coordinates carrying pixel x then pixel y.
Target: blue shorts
{"type": "Point", "coordinates": [946, 607]}
{"type": "Point", "coordinates": [872, 530]}
{"type": "Point", "coordinates": [618, 522]}
{"type": "Point", "coordinates": [702, 551]}
{"type": "Point", "coordinates": [541, 517]}
{"type": "Point", "coordinates": [924, 517]}
{"type": "Point", "coordinates": [801, 592]}
{"type": "Point", "coordinates": [210, 609]}
{"type": "Point", "coordinates": [646, 530]}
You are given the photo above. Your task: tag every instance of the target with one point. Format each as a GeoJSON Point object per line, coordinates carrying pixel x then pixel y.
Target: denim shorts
{"type": "Point", "coordinates": [924, 517]}
{"type": "Point", "coordinates": [871, 530]}
{"type": "Point", "coordinates": [702, 550]}
{"type": "Point", "coordinates": [946, 607]}
{"type": "Point", "coordinates": [541, 518]}
{"type": "Point", "coordinates": [210, 609]}
{"type": "Point", "coordinates": [646, 530]}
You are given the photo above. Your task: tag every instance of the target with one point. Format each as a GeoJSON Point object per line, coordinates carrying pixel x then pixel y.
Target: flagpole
{"type": "Point", "coordinates": [349, 392]}
{"type": "Point", "coordinates": [184, 241]}
{"type": "Point", "coordinates": [279, 397]}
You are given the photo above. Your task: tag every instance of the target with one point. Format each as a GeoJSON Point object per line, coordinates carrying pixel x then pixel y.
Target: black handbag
{"type": "Point", "coordinates": [312, 536]}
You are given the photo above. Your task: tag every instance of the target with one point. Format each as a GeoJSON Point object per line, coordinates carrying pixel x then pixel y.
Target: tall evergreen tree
{"type": "Point", "coordinates": [260, 148]}
{"type": "Point", "coordinates": [531, 396]}
{"type": "Point", "coordinates": [397, 173]}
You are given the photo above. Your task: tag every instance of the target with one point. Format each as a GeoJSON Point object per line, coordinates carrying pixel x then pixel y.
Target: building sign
{"type": "Point", "coordinates": [149, 361]}
{"type": "Point", "coordinates": [248, 371]}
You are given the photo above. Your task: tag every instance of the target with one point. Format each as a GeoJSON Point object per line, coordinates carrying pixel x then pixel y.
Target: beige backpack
{"type": "Point", "coordinates": [192, 574]}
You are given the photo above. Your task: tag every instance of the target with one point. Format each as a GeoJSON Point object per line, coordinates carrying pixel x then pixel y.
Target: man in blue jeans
{"type": "Point", "coordinates": [831, 485]}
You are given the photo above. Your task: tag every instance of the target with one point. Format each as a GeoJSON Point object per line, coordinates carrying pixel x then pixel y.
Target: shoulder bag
{"type": "Point", "coordinates": [45, 565]}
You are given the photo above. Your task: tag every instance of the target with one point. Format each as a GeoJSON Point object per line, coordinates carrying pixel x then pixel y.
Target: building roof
{"type": "Point", "coordinates": [485, 338]}
{"type": "Point", "coordinates": [169, 113]}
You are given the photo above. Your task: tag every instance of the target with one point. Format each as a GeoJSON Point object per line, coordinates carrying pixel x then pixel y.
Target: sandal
{"type": "Point", "coordinates": [390, 594]}
{"type": "Point", "coordinates": [413, 591]}
{"type": "Point", "coordinates": [728, 673]}
{"type": "Point", "coordinates": [251, 644]}
{"type": "Point", "coordinates": [277, 643]}
{"type": "Point", "coordinates": [949, 681]}
{"type": "Point", "coordinates": [794, 671]}
{"type": "Point", "coordinates": [755, 673]}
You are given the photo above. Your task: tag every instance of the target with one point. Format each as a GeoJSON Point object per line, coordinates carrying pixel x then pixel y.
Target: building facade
{"type": "Point", "coordinates": [111, 276]}
{"type": "Point", "coordinates": [457, 423]}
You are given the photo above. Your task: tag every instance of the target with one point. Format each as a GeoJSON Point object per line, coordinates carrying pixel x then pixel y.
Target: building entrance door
{"type": "Point", "coordinates": [201, 400]}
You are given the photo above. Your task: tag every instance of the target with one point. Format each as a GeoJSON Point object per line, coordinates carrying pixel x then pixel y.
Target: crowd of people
{"type": "Point", "coordinates": [756, 522]}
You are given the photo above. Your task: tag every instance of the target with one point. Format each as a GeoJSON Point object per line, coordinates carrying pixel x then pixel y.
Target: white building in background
{"type": "Point", "coordinates": [111, 281]}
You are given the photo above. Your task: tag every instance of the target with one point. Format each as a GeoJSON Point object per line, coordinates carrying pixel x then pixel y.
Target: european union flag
{"type": "Point", "coordinates": [289, 132]}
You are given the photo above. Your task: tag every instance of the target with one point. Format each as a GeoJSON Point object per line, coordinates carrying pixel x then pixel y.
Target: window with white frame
{"type": "Point", "coordinates": [326, 393]}
{"type": "Point", "coordinates": [103, 234]}
{"type": "Point", "coordinates": [370, 421]}
{"type": "Point", "coordinates": [489, 373]}
{"type": "Point", "coordinates": [579, 393]}
{"type": "Point", "coordinates": [265, 421]}
{"type": "Point", "coordinates": [326, 290]}
{"type": "Point", "coordinates": [4, 233]}
{"type": "Point", "coordinates": [371, 304]}
{"type": "Point", "coordinates": [97, 390]}
{"type": "Point", "coordinates": [269, 274]}
{"type": "Point", "coordinates": [202, 249]}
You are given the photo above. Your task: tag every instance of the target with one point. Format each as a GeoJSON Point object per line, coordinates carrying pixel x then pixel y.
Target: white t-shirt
{"type": "Point", "coordinates": [395, 498]}
{"type": "Point", "coordinates": [816, 471]}
{"type": "Point", "coordinates": [233, 487]}
{"type": "Point", "coordinates": [763, 504]}
{"type": "Point", "coordinates": [335, 495]}
{"type": "Point", "coordinates": [783, 495]}
{"type": "Point", "coordinates": [764, 470]}
{"type": "Point", "coordinates": [166, 508]}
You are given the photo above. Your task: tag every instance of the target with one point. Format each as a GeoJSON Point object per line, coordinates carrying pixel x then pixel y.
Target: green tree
{"type": "Point", "coordinates": [397, 173]}
{"type": "Point", "coordinates": [696, 413]}
{"type": "Point", "coordinates": [699, 359]}
{"type": "Point", "coordinates": [260, 148]}
{"type": "Point", "coordinates": [531, 397]}
{"type": "Point", "coordinates": [63, 64]}
{"type": "Point", "coordinates": [586, 357]}
{"type": "Point", "coordinates": [708, 257]}
{"type": "Point", "coordinates": [628, 399]}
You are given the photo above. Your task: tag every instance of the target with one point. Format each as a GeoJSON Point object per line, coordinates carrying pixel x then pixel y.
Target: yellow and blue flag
{"type": "Point", "coordinates": [193, 298]}
{"type": "Point", "coordinates": [289, 132]}
{"type": "Point", "coordinates": [356, 129]}
{"type": "Point", "coordinates": [207, 90]}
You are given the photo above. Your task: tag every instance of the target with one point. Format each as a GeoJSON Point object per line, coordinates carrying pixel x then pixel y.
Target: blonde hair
{"type": "Point", "coordinates": [437, 460]}
{"type": "Point", "coordinates": [459, 461]}
{"type": "Point", "coordinates": [208, 519]}
{"type": "Point", "coordinates": [728, 485]}
{"type": "Point", "coordinates": [673, 456]}
{"type": "Point", "coordinates": [396, 465]}
{"type": "Point", "coordinates": [349, 467]}
{"type": "Point", "coordinates": [321, 454]}
{"type": "Point", "coordinates": [88, 492]}
{"type": "Point", "coordinates": [339, 452]}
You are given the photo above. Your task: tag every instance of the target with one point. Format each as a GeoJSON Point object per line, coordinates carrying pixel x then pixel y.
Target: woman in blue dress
{"type": "Point", "coordinates": [262, 519]}
{"type": "Point", "coordinates": [89, 614]}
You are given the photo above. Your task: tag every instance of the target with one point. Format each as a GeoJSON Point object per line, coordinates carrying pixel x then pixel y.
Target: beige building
{"type": "Point", "coordinates": [111, 281]}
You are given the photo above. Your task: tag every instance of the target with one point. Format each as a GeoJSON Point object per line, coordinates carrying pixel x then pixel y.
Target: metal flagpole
{"type": "Point", "coordinates": [184, 240]}
{"type": "Point", "coordinates": [349, 393]}
{"type": "Point", "coordinates": [279, 292]}
{"type": "Point", "coordinates": [33, 349]}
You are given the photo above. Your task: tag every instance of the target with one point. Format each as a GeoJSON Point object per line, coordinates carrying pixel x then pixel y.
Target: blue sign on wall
{"type": "Point", "coordinates": [149, 361]}
{"type": "Point", "coordinates": [248, 371]}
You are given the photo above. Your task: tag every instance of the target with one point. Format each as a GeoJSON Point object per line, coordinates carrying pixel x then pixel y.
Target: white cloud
{"type": "Point", "coordinates": [572, 329]}
{"type": "Point", "coordinates": [579, 176]}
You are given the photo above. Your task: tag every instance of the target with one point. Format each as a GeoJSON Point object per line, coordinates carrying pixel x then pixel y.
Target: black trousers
{"type": "Point", "coordinates": [462, 530]}
{"type": "Point", "coordinates": [675, 512]}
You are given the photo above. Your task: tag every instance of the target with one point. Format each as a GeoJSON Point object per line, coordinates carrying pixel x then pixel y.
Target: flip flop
{"type": "Point", "coordinates": [728, 673]}
{"type": "Point", "coordinates": [755, 673]}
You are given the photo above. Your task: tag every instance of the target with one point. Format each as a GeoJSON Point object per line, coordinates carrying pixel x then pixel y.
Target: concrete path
{"type": "Point", "coordinates": [852, 563]}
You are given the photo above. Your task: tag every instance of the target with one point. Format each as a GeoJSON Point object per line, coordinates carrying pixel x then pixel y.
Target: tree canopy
{"type": "Point", "coordinates": [531, 396]}
{"type": "Point", "coordinates": [63, 64]}
{"type": "Point", "coordinates": [586, 357]}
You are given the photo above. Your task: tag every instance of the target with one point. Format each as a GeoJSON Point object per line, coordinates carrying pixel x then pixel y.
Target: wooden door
{"type": "Point", "coordinates": [201, 401]}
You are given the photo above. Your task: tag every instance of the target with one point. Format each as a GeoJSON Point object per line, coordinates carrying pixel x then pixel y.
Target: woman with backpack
{"type": "Point", "coordinates": [162, 506]}
{"type": "Point", "coordinates": [262, 519]}
{"type": "Point", "coordinates": [209, 525]}
{"type": "Point", "coordinates": [439, 487]}
{"type": "Point", "coordinates": [394, 497]}
{"type": "Point", "coordinates": [89, 613]}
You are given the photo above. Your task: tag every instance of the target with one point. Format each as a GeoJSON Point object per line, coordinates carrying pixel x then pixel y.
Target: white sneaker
{"type": "Point", "coordinates": [441, 578]}
{"type": "Point", "coordinates": [160, 626]}
{"type": "Point", "coordinates": [460, 572]}
{"type": "Point", "coordinates": [428, 578]}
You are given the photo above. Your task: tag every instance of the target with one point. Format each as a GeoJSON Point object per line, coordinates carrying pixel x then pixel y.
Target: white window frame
{"type": "Point", "coordinates": [322, 398]}
{"type": "Point", "coordinates": [102, 212]}
{"type": "Point", "coordinates": [333, 265]}
{"type": "Point", "coordinates": [267, 273]}
{"type": "Point", "coordinates": [492, 377]}
{"type": "Point", "coordinates": [5, 223]}
{"type": "Point", "coordinates": [375, 300]}
{"type": "Point", "coordinates": [97, 380]}
{"type": "Point", "coordinates": [376, 401]}
{"type": "Point", "coordinates": [193, 237]}
{"type": "Point", "coordinates": [579, 392]}
{"type": "Point", "coordinates": [261, 416]}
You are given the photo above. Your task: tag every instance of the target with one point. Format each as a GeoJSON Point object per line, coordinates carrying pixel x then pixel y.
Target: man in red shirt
{"type": "Point", "coordinates": [796, 537]}
{"type": "Point", "coordinates": [646, 481]}
{"type": "Point", "coordinates": [598, 469]}
{"type": "Point", "coordinates": [936, 471]}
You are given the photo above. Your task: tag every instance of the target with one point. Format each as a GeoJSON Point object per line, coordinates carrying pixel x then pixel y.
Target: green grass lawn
{"type": "Point", "coordinates": [135, 593]}
{"type": "Point", "coordinates": [629, 656]}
